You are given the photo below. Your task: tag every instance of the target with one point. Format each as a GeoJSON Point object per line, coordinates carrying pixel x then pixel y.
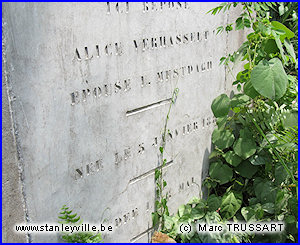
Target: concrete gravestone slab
{"type": "Point", "coordinates": [90, 85]}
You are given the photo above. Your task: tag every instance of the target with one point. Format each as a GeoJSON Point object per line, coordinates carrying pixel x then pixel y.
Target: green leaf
{"type": "Point", "coordinates": [221, 105]}
{"type": "Point", "coordinates": [249, 214]}
{"type": "Point", "coordinates": [252, 213]}
{"type": "Point", "coordinates": [230, 204]}
{"type": "Point", "coordinates": [75, 220]}
{"type": "Point", "coordinates": [63, 217]}
{"type": "Point", "coordinates": [244, 147]}
{"type": "Point", "coordinates": [161, 149]}
{"type": "Point", "coordinates": [290, 49]}
{"type": "Point", "coordinates": [250, 90]}
{"type": "Point", "coordinates": [181, 210]}
{"type": "Point", "coordinates": [194, 200]}
{"type": "Point", "coordinates": [222, 138]}
{"type": "Point", "coordinates": [281, 201]}
{"type": "Point", "coordinates": [232, 158]}
{"type": "Point", "coordinates": [220, 172]}
{"type": "Point", "coordinates": [164, 183]}
{"type": "Point", "coordinates": [239, 23]}
{"type": "Point", "coordinates": [280, 174]}
{"type": "Point", "coordinates": [246, 169]}
{"type": "Point", "coordinates": [247, 22]}
{"type": "Point", "coordinates": [157, 173]}
{"type": "Point", "coordinates": [213, 202]}
{"type": "Point", "coordinates": [270, 46]}
{"type": "Point", "coordinates": [264, 190]}
{"type": "Point", "coordinates": [260, 159]}
{"type": "Point", "coordinates": [197, 213]}
{"type": "Point", "coordinates": [288, 33]}
{"type": "Point", "coordinates": [157, 204]}
{"type": "Point", "coordinates": [239, 100]}
{"type": "Point", "coordinates": [268, 207]}
{"type": "Point", "coordinates": [155, 218]}
{"type": "Point", "coordinates": [168, 222]}
{"type": "Point", "coordinates": [280, 47]}
{"type": "Point", "coordinates": [72, 216]}
{"type": "Point", "coordinates": [269, 78]}
{"type": "Point", "coordinates": [289, 119]}
{"type": "Point", "coordinates": [221, 122]}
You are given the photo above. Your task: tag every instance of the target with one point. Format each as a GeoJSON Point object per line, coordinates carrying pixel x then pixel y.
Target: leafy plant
{"type": "Point", "coordinates": [67, 217]}
{"type": "Point", "coordinates": [161, 208]}
{"type": "Point", "coordinates": [263, 119]}
{"type": "Point", "coordinates": [253, 172]}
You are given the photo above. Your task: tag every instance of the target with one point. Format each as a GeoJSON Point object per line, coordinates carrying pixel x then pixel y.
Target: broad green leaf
{"type": "Point", "coordinates": [281, 202]}
{"type": "Point", "coordinates": [222, 138]}
{"type": "Point", "coordinates": [289, 119]}
{"type": "Point", "coordinates": [230, 204]}
{"type": "Point", "coordinates": [246, 133]}
{"type": "Point", "coordinates": [249, 214]}
{"type": "Point", "coordinates": [246, 169]}
{"type": "Point", "coordinates": [268, 207]}
{"type": "Point", "coordinates": [250, 90]}
{"type": "Point", "coordinates": [288, 33]}
{"type": "Point", "coordinates": [213, 202]}
{"type": "Point", "coordinates": [221, 122]}
{"type": "Point", "coordinates": [220, 172]}
{"type": "Point", "coordinates": [270, 46]}
{"type": "Point", "coordinates": [260, 159]}
{"type": "Point", "coordinates": [280, 174]}
{"type": "Point", "coordinates": [197, 213]}
{"type": "Point", "coordinates": [187, 209]}
{"type": "Point", "coordinates": [269, 78]}
{"type": "Point", "coordinates": [239, 100]}
{"type": "Point", "coordinates": [232, 158]}
{"type": "Point", "coordinates": [252, 213]}
{"type": "Point", "coordinates": [265, 190]}
{"type": "Point", "coordinates": [278, 31]}
{"type": "Point", "coordinates": [220, 105]}
{"type": "Point", "coordinates": [185, 218]}
{"type": "Point", "coordinates": [244, 147]}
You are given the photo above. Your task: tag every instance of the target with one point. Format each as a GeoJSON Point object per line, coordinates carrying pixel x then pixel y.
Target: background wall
{"type": "Point", "coordinates": [89, 86]}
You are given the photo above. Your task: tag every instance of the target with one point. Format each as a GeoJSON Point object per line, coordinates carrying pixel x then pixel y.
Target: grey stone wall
{"type": "Point", "coordinates": [89, 86]}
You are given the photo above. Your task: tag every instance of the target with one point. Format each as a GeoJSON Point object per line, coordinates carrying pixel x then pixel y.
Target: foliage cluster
{"type": "Point", "coordinates": [253, 172]}
{"type": "Point", "coordinates": [68, 217]}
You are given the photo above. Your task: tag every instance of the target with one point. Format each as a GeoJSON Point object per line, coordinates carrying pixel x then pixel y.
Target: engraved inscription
{"type": "Point", "coordinates": [160, 6]}
{"type": "Point", "coordinates": [125, 218]}
{"type": "Point", "coordinates": [88, 169]}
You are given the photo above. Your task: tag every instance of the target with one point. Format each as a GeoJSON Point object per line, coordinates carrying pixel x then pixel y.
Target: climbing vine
{"type": "Point", "coordinates": [161, 208]}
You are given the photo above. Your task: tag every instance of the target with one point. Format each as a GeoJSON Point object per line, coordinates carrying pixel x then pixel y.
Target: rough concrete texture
{"type": "Point", "coordinates": [92, 84]}
{"type": "Point", "coordinates": [12, 200]}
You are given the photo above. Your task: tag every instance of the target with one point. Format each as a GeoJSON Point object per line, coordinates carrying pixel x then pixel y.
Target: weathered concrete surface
{"type": "Point", "coordinates": [92, 84]}
{"type": "Point", "coordinates": [12, 200]}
